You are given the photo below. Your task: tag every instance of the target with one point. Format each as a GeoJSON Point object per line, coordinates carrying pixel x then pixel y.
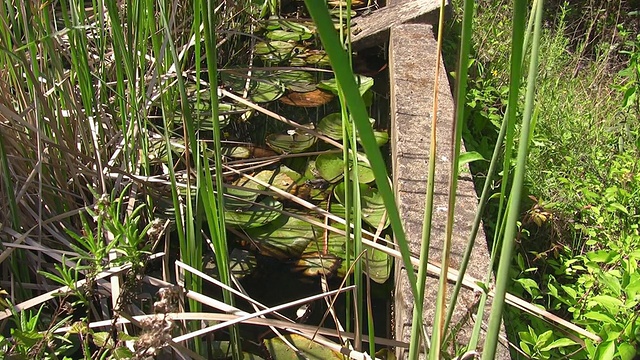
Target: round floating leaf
{"type": "Point", "coordinates": [263, 86]}
{"type": "Point", "coordinates": [313, 98]}
{"type": "Point", "coordinates": [275, 50]}
{"type": "Point", "coordinates": [365, 83]}
{"type": "Point", "coordinates": [265, 91]}
{"type": "Point", "coordinates": [243, 197]}
{"type": "Point", "coordinates": [282, 178]}
{"type": "Point", "coordinates": [255, 216]}
{"type": "Point", "coordinates": [284, 238]}
{"type": "Point", "coordinates": [331, 125]}
{"type": "Point", "coordinates": [310, 350]}
{"type": "Point", "coordinates": [296, 80]}
{"type": "Point", "coordinates": [290, 144]}
{"type": "Point", "coordinates": [237, 152]}
{"type": "Point", "coordinates": [284, 35]}
{"type": "Point", "coordinates": [331, 169]}
{"type": "Point", "coordinates": [381, 137]}
{"type": "Point", "coordinates": [373, 210]}
{"type": "Point", "coordinates": [303, 27]}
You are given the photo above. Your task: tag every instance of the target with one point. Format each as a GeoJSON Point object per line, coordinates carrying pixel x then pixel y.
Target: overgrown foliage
{"type": "Point", "coordinates": [578, 242]}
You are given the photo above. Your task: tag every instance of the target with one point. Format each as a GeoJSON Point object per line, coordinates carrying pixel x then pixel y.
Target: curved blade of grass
{"type": "Point", "coordinates": [502, 277]}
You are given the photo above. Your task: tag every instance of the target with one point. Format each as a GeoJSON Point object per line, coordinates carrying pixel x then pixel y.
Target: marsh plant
{"type": "Point", "coordinates": [125, 163]}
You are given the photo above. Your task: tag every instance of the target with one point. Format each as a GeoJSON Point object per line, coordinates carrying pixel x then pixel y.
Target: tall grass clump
{"type": "Point", "coordinates": [574, 234]}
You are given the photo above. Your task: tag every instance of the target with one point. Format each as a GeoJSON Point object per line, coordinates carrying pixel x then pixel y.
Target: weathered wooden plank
{"type": "Point", "coordinates": [373, 29]}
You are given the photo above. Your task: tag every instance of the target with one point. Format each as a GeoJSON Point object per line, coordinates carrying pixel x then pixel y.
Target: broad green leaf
{"type": "Point", "coordinates": [606, 350]}
{"type": "Point", "coordinates": [558, 344]}
{"type": "Point", "coordinates": [364, 83]}
{"type": "Point", "coordinates": [626, 351]}
{"type": "Point", "coordinates": [297, 80]}
{"type": "Point", "coordinates": [330, 167]}
{"type": "Point", "coordinates": [284, 35]}
{"type": "Point", "coordinates": [255, 216]}
{"type": "Point", "coordinates": [242, 198]}
{"type": "Point", "coordinates": [468, 157]}
{"type": "Point", "coordinates": [290, 144]}
{"type": "Point", "coordinates": [310, 350]}
{"type": "Point", "coordinates": [373, 210]}
{"type": "Point", "coordinates": [331, 125]}
{"type": "Point", "coordinates": [598, 316]}
{"type": "Point", "coordinates": [285, 238]}
{"type": "Point", "coordinates": [316, 264]}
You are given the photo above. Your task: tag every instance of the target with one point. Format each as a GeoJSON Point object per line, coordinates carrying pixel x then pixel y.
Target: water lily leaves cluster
{"type": "Point", "coordinates": [291, 236]}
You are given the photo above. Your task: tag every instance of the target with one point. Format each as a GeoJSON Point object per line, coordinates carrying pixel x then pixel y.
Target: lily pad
{"type": "Point", "coordinates": [364, 83]}
{"type": "Point", "coordinates": [284, 35]}
{"type": "Point", "coordinates": [331, 125]}
{"type": "Point", "coordinates": [282, 178]}
{"type": "Point", "coordinates": [317, 58]}
{"type": "Point", "coordinates": [263, 86]}
{"type": "Point", "coordinates": [242, 198]}
{"type": "Point", "coordinates": [285, 238]}
{"type": "Point", "coordinates": [377, 264]}
{"type": "Point", "coordinates": [255, 216]}
{"type": "Point", "coordinates": [275, 50]}
{"type": "Point", "coordinates": [293, 143]}
{"type": "Point", "coordinates": [297, 80]}
{"type": "Point", "coordinates": [313, 98]}
{"type": "Point", "coordinates": [330, 167]}
{"type": "Point", "coordinates": [373, 210]}
{"type": "Point", "coordinates": [310, 350]}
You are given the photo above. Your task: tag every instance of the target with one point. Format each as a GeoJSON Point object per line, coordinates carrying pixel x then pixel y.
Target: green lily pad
{"type": "Point", "coordinates": [310, 350]}
{"type": "Point", "coordinates": [297, 80]}
{"type": "Point", "coordinates": [282, 178]}
{"type": "Point", "coordinates": [330, 167]}
{"type": "Point", "coordinates": [242, 198]}
{"type": "Point", "coordinates": [285, 35]}
{"type": "Point", "coordinates": [373, 210]}
{"type": "Point", "coordinates": [255, 216]}
{"type": "Point", "coordinates": [331, 125]}
{"type": "Point", "coordinates": [364, 83]}
{"type": "Point", "coordinates": [263, 86]}
{"type": "Point", "coordinates": [275, 50]}
{"type": "Point", "coordinates": [284, 238]}
{"type": "Point", "coordinates": [236, 152]}
{"type": "Point", "coordinates": [262, 92]}
{"type": "Point", "coordinates": [377, 264]}
{"type": "Point", "coordinates": [290, 144]}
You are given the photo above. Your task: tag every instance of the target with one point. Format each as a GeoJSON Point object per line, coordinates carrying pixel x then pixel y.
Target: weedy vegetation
{"type": "Point", "coordinates": [154, 155]}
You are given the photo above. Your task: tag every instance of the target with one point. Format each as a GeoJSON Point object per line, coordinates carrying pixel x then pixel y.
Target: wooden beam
{"type": "Point", "coordinates": [373, 29]}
